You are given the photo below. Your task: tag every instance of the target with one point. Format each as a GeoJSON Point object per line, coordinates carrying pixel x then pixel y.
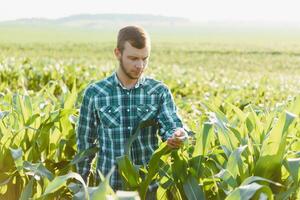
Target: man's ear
{"type": "Point", "coordinates": [118, 53]}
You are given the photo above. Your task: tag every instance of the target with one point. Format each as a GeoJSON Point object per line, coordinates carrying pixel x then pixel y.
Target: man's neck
{"type": "Point", "coordinates": [125, 81]}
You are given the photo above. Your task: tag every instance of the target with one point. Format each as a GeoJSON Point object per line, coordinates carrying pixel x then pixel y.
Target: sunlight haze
{"type": "Point", "coordinates": [195, 10]}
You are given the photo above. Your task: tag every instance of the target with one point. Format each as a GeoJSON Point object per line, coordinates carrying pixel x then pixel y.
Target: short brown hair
{"type": "Point", "coordinates": [135, 35]}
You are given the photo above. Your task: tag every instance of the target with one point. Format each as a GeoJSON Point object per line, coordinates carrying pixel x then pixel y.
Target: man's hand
{"type": "Point", "coordinates": [177, 139]}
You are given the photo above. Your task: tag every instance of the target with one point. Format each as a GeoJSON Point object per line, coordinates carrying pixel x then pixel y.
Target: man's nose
{"type": "Point", "coordinates": [139, 64]}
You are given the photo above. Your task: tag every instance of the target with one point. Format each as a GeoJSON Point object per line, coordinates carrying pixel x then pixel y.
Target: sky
{"type": "Point", "coordinates": [195, 10]}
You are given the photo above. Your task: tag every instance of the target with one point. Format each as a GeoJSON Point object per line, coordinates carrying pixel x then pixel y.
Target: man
{"type": "Point", "coordinates": [113, 107]}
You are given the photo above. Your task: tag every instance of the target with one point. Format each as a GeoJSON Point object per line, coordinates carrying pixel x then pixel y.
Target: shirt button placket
{"type": "Point", "coordinates": [128, 109]}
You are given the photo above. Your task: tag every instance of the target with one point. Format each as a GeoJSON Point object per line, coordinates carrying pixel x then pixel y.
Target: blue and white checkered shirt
{"type": "Point", "coordinates": [108, 114]}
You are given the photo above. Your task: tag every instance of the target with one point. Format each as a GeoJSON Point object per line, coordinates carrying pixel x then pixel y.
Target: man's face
{"type": "Point", "coordinates": [133, 61]}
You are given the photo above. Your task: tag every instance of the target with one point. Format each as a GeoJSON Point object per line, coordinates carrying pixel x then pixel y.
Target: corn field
{"type": "Point", "coordinates": [241, 104]}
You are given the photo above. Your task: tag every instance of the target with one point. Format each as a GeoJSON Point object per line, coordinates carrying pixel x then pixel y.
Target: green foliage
{"type": "Point", "coordinates": [246, 122]}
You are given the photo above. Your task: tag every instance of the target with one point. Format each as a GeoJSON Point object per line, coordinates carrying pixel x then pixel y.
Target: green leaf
{"type": "Point", "coordinates": [81, 194]}
{"type": "Point", "coordinates": [227, 179]}
{"type": "Point", "coordinates": [65, 123]}
{"type": "Point", "coordinates": [273, 148]}
{"type": "Point", "coordinates": [5, 182]}
{"type": "Point", "coordinates": [27, 106]}
{"type": "Point", "coordinates": [84, 154]}
{"type": "Point", "coordinates": [241, 115]}
{"type": "Point", "coordinates": [252, 179]}
{"type": "Point", "coordinates": [227, 139]}
{"type": "Point", "coordinates": [135, 134]}
{"type": "Point", "coordinates": [3, 114]}
{"type": "Point", "coordinates": [235, 163]}
{"type": "Point", "coordinates": [203, 140]}
{"type": "Point", "coordinates": [75, 188]}
{"type": "Point", "coordinates": [195, 164]}
{"type": "Point", "coordinates": [192, 189]}
{"type": "Point", "coordinates": [71, 97]}
{"type": "Point", "coordinates": [60, 181]}
{"type": "Point", "coordinates": [128, 172]}
{"type": "Point", "coordinates": [287, 194]}
{"type": "Point", "coordinates": [27, 191]}
{"type": "Point", "coordinates": [294, 169]}
{"type": "Point", "coordinates": [158, 158]}
{"type": "Point", "coordinates": [246, 192]}
{"type": "Point", "coordinates": [104, 189]}
{"type": "Point", "coordinates": [39, 169]}
{"type": "Point", "coordinates": [43, 134]}
{"type": "Point", "coordinates": [127, 195]}
{"type": "Point", "coordinates": [218, 113]}
{"type": "Point", "coordinates": [179, 166]}
{"type": "Point", "coordinates": [32, 119]}
{"type": "Point", "coordinates": [17, 156]}
{"type": "Point", "coordinates": [295, 106]}
{"type": "Point", "coordinates": [258, 126]}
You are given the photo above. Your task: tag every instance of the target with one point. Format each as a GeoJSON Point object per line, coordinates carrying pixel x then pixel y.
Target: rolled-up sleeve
{"type": "Point", "coordinates": [168, 117]}
{"type": "Point", "coordinates": [86, 131]}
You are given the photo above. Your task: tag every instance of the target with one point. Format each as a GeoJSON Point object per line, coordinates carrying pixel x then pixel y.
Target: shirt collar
{"type": "Point", "coordinates": [140, 81]}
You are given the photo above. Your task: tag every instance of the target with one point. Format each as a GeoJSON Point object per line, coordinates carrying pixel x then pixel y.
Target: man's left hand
{"type": "Point", "coordinates": [177, 139]}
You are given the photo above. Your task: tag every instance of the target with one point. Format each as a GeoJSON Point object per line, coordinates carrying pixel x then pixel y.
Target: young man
{"type": "Point", "coordinates": [112, 107]}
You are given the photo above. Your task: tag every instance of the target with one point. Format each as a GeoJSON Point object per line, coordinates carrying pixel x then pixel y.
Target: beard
{"type": "Point", "coordinates": [127, 73]}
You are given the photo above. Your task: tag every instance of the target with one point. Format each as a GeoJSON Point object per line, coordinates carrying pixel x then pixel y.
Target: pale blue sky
{"type": "Point", "coordinates": [220, 10]}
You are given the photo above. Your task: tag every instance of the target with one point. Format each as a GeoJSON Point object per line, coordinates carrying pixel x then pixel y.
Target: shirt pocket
{"type": "Point", "coordinates": [110, 116]}
{"type": "Point", "coordinates": [146, 112]}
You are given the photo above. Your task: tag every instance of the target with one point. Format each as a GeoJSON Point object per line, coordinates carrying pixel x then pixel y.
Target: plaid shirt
{"type": "Point", "coordinates": [108, 114]}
